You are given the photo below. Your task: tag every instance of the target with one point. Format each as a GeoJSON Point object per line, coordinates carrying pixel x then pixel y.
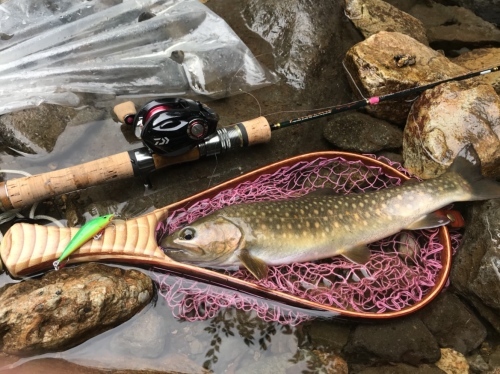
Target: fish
{"type": "Point", "coordinates": [318, 226]}
{"type": "Point", "coordinates": [88, 231]}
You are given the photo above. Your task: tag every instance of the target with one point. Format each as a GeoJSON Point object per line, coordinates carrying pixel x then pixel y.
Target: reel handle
{"type": "Point", "coordinates": [22, 192]}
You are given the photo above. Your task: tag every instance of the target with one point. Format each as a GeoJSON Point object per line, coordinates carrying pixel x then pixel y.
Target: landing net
{"type": "Point", "coordinates": [402, 268]}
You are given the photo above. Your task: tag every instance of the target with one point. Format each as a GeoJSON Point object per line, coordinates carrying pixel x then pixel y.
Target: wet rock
{"type": "Point", "coordinates": [301, 33]}
{"type": "Point", "coordinates": [453, 324]}
{"type": "Point", "coordinates": [445, 119]}
{"type": "Point", "coordinates": [65, 308]}
{"type": "Point", "coordinates": [483, 8]}
{"type": "Point", "coordinates": [372, 16]}
{"type": "Point", "coordinates": [362, 133]}
{"type": "Point", "coordinates": [404, 340]}
{"type": "Point", "coordinates": [452, 362]}
{"type": "Point", "coordinates": [479, 59]}
{"type": "Point", "coordinates": [328, 336]}
{"type": "Point", "coordinates": [476, 266]}
{"type": "Point", "coordinates": [402, 369]}
{"type": "Point", "coordinates": [452, 27]}
{"type": "Point", "coordinates": [145, 337]}
{"type": "Point", "coordinates": [25, 130]}
{"type": "Point", "coordinates": [477, 364]}
{"type": "Point", "coordinates": [388, 62]}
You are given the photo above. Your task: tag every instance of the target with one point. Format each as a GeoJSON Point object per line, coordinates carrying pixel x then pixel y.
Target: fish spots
{"type": "Point", "coordinates": [336, 224]}
{"type": "Point", "coordinates": [399, 197]}
{"type": "Point", "coordinates": [341, 216]}
{"type": "Point", "coordinates": [289, 226]}
{"type": "Point", "coordinates": [354, 205]}
{"type": "Point", "coordinates": [356, 216]}
{"type": "Point", "coordinates": [278, 226]}
{"type": "Point", "coordinates": [316, 212]}
{"type": "Point", "coordinates": [361, 205]}
{"type": "Point", "coordinates": [330, 212]}
{"type": "Point", "coordinates": [365, 223]}
{"type": "Point", "coordinates": [367, 215]}
{"type": "Point", "coordinates": [316, 225]}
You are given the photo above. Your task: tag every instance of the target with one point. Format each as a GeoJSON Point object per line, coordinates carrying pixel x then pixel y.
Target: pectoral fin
{"type": "Point", "coordinates": [359, 255]}
{"type": "Point", "coordinates": [434, 219]}
{"type": "Point", "coordinates": [254, 265]}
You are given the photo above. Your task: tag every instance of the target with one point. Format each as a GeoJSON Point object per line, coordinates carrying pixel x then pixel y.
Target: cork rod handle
{"type": "Point", "coordinates": [22, 192]}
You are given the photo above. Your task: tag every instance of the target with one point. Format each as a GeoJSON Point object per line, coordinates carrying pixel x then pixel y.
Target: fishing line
{"type": "Point", "coordinates": [374, 100]}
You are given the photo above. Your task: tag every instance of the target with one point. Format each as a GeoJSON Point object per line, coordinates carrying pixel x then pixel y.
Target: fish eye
{"type": "Point", "coordinates": [187, 234]}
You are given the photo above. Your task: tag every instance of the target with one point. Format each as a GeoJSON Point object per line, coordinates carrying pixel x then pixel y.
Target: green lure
{"type": "Point", "coordinates": [86, 232]}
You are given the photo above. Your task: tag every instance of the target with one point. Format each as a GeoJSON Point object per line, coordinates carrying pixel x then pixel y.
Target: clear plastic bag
{"type": "Point", "coordinates": [129, 47]}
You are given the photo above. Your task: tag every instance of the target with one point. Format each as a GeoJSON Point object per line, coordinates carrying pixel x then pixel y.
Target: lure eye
{"type": "Point", "coordinates": [187, 234]}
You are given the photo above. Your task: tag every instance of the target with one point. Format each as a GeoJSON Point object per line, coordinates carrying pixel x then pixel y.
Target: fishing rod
{"type": "Point", "coordinates": [173, 131]}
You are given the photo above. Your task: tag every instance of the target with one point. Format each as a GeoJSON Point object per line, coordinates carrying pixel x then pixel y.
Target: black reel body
{"type": "Point", "coordinates": [173, 126]}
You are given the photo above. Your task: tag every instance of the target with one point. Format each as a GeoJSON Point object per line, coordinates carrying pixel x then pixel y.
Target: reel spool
{"type": "Point", "coordinates": [169, 126]}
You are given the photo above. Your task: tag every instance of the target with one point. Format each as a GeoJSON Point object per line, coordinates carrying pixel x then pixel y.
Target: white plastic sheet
{"type": "Point", "coordinates": [51, 51]}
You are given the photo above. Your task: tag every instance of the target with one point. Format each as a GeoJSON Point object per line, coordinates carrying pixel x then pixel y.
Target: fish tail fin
{"type": "Point", "coordinates": [468, 165]}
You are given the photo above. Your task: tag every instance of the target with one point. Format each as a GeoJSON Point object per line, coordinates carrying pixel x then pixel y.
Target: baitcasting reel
{"type": "Point", "coordinates": [170, 126]}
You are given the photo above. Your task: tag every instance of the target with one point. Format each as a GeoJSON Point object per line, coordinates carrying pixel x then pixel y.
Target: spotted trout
{"type": "Point", "coordinates": [313, 227]}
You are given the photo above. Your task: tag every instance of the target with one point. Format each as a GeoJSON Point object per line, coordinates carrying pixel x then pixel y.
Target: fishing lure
{"type": "Point", "coordinates": [91, 229]}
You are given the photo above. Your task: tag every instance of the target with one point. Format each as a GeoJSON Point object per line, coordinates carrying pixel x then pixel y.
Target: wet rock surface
{"type": "Point", "coordinates": [475, 269]}
{"type": "Point", "coordinates": [358, 132]}
{"type": "Point", "coordinates": [445, 119]}
{"type": "Point", "coordinates": [481, 58]}
{"type": "Point", "coordinates": [404, 340]}
{"type": "Point", "coordinates": [373, 16]}
{"type": "Point", "coordinates": [451, 27]}
{"type": "Point", "coordinates": [453, 324]}
{"type": "Point", "coordinates": [388, 62]}
{"type": "Point", "coordinates": [65, 308]}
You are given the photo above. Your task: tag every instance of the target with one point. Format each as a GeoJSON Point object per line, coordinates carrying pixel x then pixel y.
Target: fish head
{"type": "Point", "coordinates": [209, 241]}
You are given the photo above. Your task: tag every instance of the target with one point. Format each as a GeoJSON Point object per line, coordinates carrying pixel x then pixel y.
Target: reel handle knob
{"type": "Point", "coordinates": [125, 112]}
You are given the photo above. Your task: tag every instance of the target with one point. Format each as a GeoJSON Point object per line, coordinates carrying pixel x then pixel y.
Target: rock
{"type": "Point", "coordinates": [452, 27]}
{"type": "Point", "coordinates": [388, 62]}
{"type": "Point", "coordinates": [453, 324]}
{"type": "Point", "coordinates": [401, 369]}
{"type": "Point", "coordinates": [445, 119]}
{"type": "Point", "coordinates": [65, 308]}
{"type": "Point", "coordinates": [477, 364]}
{"type": "Point", "coordinates": [25, 132]}
{"type": "Point", "coordinates": [452, 362]}
{"type": "Point", "coordinates": [372, 16]}
{"type": "Point", "coordinates": [404, 340]}
{"type": "Point", "coordinates": [300, 32]}
{"type": "Point", "coordinates": [145, 338]}
{"type": "Point", "coordinates": [362, 133]}
{"type": "Point", "coordinates": [479, 59]}
{"type": "Point", "coordinates": [483, 8]}
{"type": "Point", "coordinates": [327, 336]}
{"type": "Point", "coordinates": [476, 266]}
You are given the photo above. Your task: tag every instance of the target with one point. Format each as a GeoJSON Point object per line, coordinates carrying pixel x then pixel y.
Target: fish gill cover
{"type": "Point", "coordinates": [402, 269]}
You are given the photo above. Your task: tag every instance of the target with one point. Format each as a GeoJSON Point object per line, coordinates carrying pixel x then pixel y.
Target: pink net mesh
{"type": "Point", "coordinates": [402, 268]}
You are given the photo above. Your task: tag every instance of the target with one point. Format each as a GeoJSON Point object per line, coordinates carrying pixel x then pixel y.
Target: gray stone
{"type": "Point", "coordinates": [404, 340]}
{"type": "Point", "coordinates": [453, 324]}
{"type": "Point", "coordinates": [476, 266]}
{"type": "Point", "coordinates": [300, 32]}
{"type": "Point", "coordinates": [451, 27]}
{"type": "Point", "coordinates": [145, 337]}
{"type": "Point", "coordinates": [477, 363]}
{"type": "Point", "coordinates": [483, 8]}
{"type": "Point", "coordinates": [67, 307]}
{"type": "Point", "coordinates": [388, 62]}
{"type": "Point", "coordinates": [445, 119]}
{"type": "Point", "coordinates": [401, 369]}
{"type": "Point", "coordinates": [362, 133]}
{"type": "Point", "coordinates": [26, 132]}
{"type": "Point", "coordinates": [328, 336]}
{"type": "Point", "coordinates": [372, 16]}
